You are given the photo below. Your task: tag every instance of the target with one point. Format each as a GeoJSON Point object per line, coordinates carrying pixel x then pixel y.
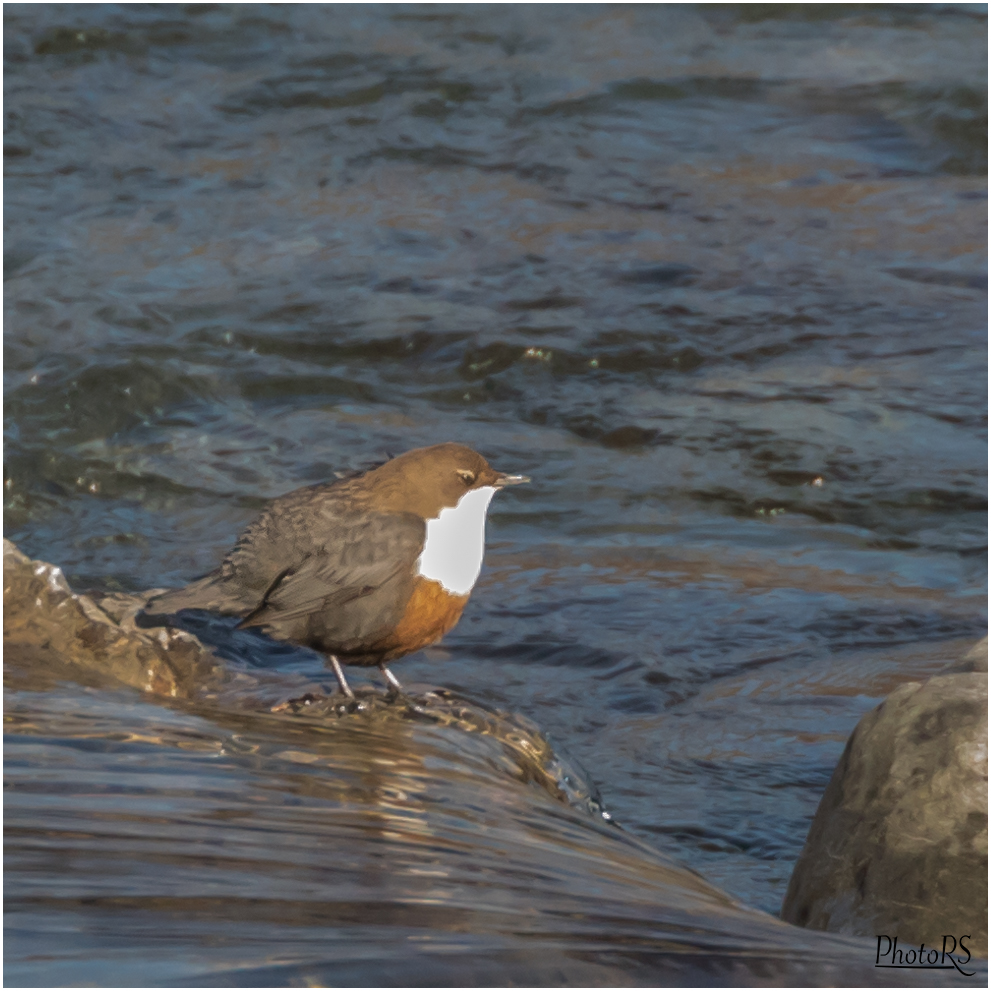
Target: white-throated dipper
{"type": "Point", "coordinates": [365, 569]}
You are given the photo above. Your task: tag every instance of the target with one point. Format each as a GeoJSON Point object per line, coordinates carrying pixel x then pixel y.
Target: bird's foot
{"type": "Point", "coordinates": [299, 703]}
{"type": "Point", "coordinates": [395, 691]}
{"type": "Point", "coordinates": [352, 705]}
{"type": "Point", "coordinates": [318, 703]}
{"type": "Point", "coordinates": [396, 695]}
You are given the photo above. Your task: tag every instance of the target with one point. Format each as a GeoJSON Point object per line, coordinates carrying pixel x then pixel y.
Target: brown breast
{"type": "Point", "coordinates": [430, 613]}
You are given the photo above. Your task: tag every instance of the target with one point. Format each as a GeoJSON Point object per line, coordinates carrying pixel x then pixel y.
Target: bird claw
{"type": "Point", "coordinates": [296, 704]}
{"type": "Point", "coordinates": [413, 707]}
{"type": "Point", "coordinates": [395, 695]}
{"type": "Point", "coordinates": [348, 703]}
{"type": "Point", "coordinates": [339, 702]}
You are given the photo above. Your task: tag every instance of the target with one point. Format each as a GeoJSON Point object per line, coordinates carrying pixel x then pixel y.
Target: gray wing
{"type": "Point", "coordinates": [302, 555]}
{"type": "Point", "coordinates": [352, 587]}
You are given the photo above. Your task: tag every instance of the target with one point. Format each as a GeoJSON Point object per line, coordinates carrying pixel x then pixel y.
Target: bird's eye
{"type": "Point", "coordinates": [468, 477]}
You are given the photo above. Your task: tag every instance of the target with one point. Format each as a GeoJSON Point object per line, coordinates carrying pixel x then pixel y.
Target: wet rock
{"type": "Point", "coordinates": [508, 742]}
{"type": "Point", "coordinates": [899, 844]}
{"type": "Point", "coordinates": [44, 618]}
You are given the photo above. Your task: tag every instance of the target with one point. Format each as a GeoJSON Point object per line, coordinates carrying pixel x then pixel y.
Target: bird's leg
{"type": "Point", "coordinates": [392, 679]}
{"type": "Point", "coordinates": [341, 680]}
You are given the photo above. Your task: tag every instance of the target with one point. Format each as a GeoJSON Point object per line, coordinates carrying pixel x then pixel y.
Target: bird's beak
{"type": "Point", "coordinates": [504, 480]}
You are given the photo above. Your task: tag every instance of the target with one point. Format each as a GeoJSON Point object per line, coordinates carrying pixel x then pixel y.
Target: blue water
{"type": "Point", "coordinates": [713, 276]}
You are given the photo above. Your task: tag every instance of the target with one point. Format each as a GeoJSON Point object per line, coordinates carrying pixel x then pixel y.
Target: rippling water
{"type": "Point", "coordinates": [714, 277]}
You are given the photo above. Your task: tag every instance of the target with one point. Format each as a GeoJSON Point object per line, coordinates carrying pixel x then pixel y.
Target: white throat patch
{"type": "Point", "coordinates": [452, 554]}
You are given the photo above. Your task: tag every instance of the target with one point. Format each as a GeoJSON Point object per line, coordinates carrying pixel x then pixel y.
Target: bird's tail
{"type": "Point", "coordinates": [207, 593]}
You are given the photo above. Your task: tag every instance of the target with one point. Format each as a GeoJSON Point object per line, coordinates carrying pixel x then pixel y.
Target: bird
{"type": "Point", "coordinates": [364, 569]}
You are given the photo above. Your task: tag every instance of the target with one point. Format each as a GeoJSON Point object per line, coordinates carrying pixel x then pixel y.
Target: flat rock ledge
{"type": "Point", "coordinates": [43, 617]}
{"type": "Point", "coordinates": [899, 844]}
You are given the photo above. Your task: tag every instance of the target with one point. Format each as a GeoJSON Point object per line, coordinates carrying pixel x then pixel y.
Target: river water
{"type": "Point", "coordinates": [714, 277]}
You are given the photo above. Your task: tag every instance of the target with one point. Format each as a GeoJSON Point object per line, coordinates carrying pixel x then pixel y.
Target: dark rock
{"type": "Point", "coordinates": [42, 617]}
{"type": "Point", "coordinates": [899, 844]}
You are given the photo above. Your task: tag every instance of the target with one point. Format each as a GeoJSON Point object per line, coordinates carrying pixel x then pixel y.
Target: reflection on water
{"type": "Point", "coordinates": [714, 277]}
